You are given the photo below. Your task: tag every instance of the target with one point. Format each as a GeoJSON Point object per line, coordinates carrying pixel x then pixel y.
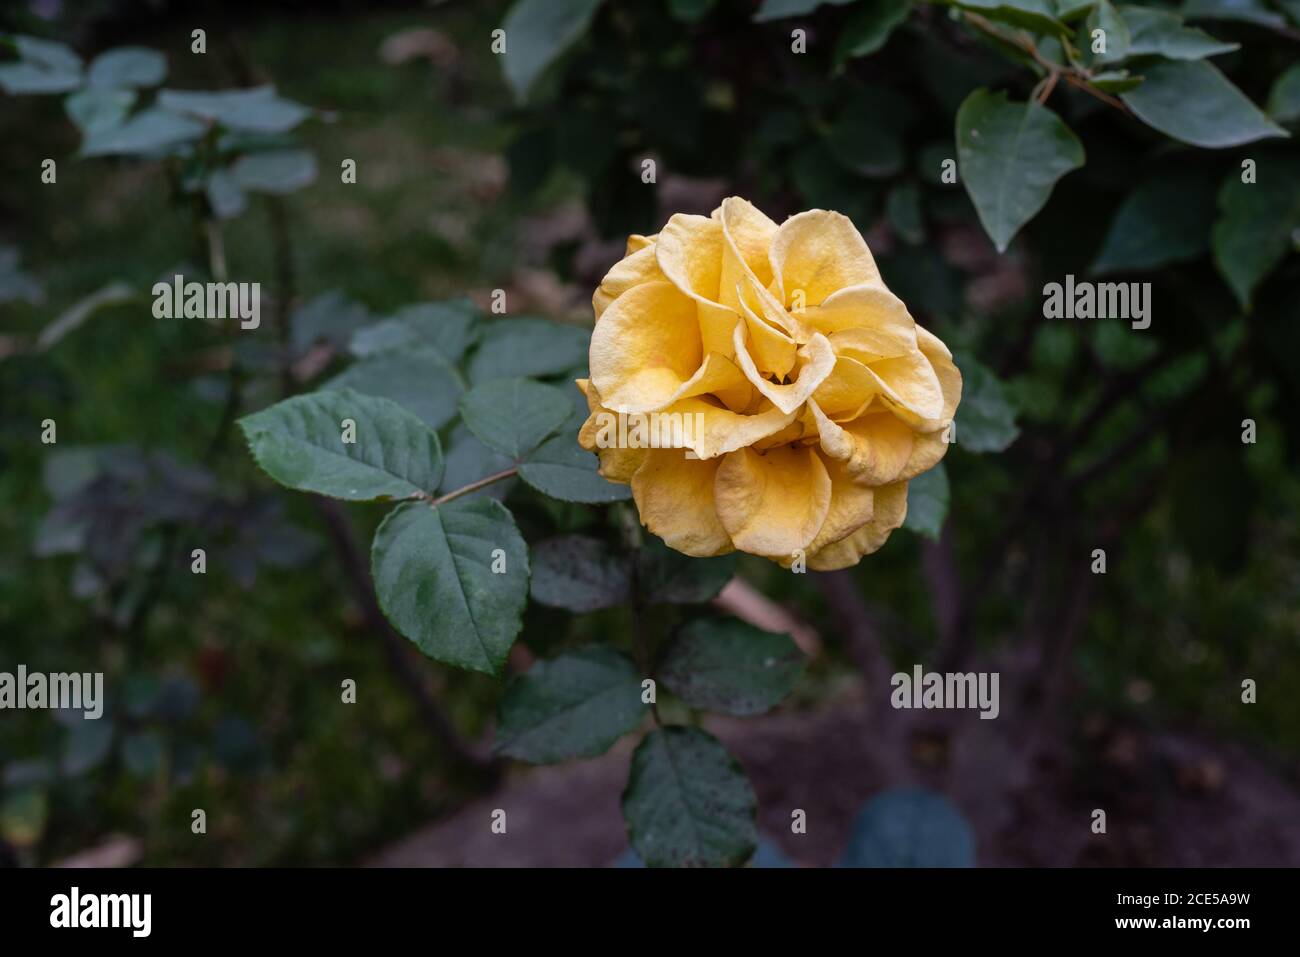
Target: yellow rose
{"type": "Point", "coordinates": [761, 389]}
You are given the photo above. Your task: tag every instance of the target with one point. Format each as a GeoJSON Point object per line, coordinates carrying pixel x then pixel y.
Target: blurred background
{"type": "Point", "coordinates": [1120, 691]}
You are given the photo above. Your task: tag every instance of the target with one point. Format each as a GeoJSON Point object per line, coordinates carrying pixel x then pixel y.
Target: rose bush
{"type": "Point", "coordinates": [818, 395]}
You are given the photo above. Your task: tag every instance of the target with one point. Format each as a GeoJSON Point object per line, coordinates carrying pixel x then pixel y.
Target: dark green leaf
{"type": "Point", "coordinates": [1115, 81]}
{"type": "Point", "coordinates": [434, 575]}
{"type": "Point", "coordinates": [50, 54]}
{"type": "Point", "coordinates": [573, 706]}
{"type": "Point", "coordinates": [531, 348]}
{"type": "Point", "coordinates": [419, 380]}
{"type": "Point", "coordinates": [580, 573]}
{"type": "Point", "coordinates": [514, 416]}
{"type": "Point", "coordinates": [1166, 219]}
{"type": "Point", "coordinates": [278, 171]}
{"type": "Point", "coordinates": [1247, 11]}
{"type": "Point", "coordinates": [562, 469]}
{"type": "Point", "coordinates": [909, 828]}
{"type": "Point", "coordinates": [868, 29]}
{"type": "Point", "coordinates": [1161, 33]}
{"type": "Point", "coordinates": [20, 78]}
{"type": "Point", "coordinates": [299, 443]}
{"type": "Point", "coordinates": [688, 803]}
{"type": "Point", "coordinates": [1038, 16]}
{"type": "Point", "coordinates": [1284, 98]}
{"type": "Point", "coordinates": [1011, 155]}
{"type": "Point", "coordinates": [449, 327]}
{"type": "Point", "coordinates": [469, 460]}
{"type": "Point", "coordinates": [537, 34]}
{"type": "Point", "coordinates": [1257, 223]}
{"type": "Point", "coordinates": [927, 502]}
{"type": "Point", "coordinates": [665, 576]}
{"type": "Point", "coordinates": [985, 420]}
{"type": "Point", "coordinates": [330, 317]}
{"type": "Point", "coordinates": [126, 68]}
{"type": "Point", "coordinates": [1192, 101]}
{"type": "Point", "coordinates": [148, 131]}
{"type": "Point", "coordinates": [729, 666]}
{"type": "Point", "coordinates": [97, 110]}
{"type": "Point", "coordinates": [224, 195]}
{"type": "Point", "coordinates": [1115, 31]}
{"type": "Point", "coordinates": [780, 9]}
{"type": "Point", "coordinates": [256, 110]}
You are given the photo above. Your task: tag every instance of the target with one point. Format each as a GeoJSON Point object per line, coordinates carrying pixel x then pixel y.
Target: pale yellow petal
{"type": "Point", "coordinates": [819, 252]}
{"type": "Point", "coordinates": [639, 266]}
{"type": "Point", "coordinates": [772, 503]}
{"type": "Point", "coordinates": [867, 319]}
{"type": "Point", "coordinates": [747, 234]}
{"type": "Point", "coordinates": [644, 347]}
{"type": "Point", "coordinates": [912, 387]}
{"type": "Point", "coordinates": [689, 252]}
{"type": "Point", "coordinates": [890, 509]}
{"type": "Point", "coordinates": [717, 431]}
{"type": "Point", "coordinates": [767, 348]}
{"type": "Point", "coordinates": [674, 496]}
{"type": "Point", "coordinates": [852, 506]}
{"type": "Point", "coordinates": [875, 448]}
{"type": "Point", "coordinates": [928, 448]}
{"type": "Point", "coordinates": [945, 369]}
{"type": "Point", "coordinates": [816, 360]}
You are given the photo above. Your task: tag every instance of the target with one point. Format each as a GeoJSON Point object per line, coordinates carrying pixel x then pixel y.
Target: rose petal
{"type": "Point", "coordinates": [772, 504]}
{"type": "Point", "coordinates": [818, 359]}
{"type": "Point", "coordinates": [890, 510]}
{"type": "Point", "coordinates": [866, 322]}
{"type": "Point", "coordinates": [644, 347]}
{"type": "Point", "coordinates": [674, 496]}
{"type": "Point", "coordinates": [820, 253]}
{"type": "Point", "coordinates": [945, 369]}
{"type": "Point", "coordinates": [639, 266]}
{"type": "Point", "coordinates": [875, 448]}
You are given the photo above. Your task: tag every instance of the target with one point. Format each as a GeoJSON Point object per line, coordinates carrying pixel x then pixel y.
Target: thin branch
{"type": "Point", "coordinates": [473, 486]}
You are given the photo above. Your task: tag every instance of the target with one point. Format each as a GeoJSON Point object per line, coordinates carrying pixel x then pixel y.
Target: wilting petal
{"type": "Point", "coordinates": [818, 359]}
{"type": "Point", "coordinates": [867, 319]}
{"type": "Point", "coordinates": [674, 495]}
{"type": "Point", "coordinates": [774, 503]}
{"type": "Point", "coordinates": [820, 253]}
{"type": "Point", "coordinates": [946, 370]}
{"type": "Point", "coordinates": [875, 448]}
{"type": "Point", "coordinates": [890, 510]}
{"type": "Point", "coordinates": [644, 347]}
{"type": "Point", "coordinates": [638, 267]}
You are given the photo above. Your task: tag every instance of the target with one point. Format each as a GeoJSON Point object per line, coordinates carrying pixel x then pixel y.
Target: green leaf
{"type": "Point", "coordinates": [563, 469]}
{"type": "Point", "coordinates": [1115, 30]}
{"type": "Point", "coordinates": [780, 9]}
{"type": "Point", "coordinates": [1011, 155]}
{"type": "Point", "coordinates": [665, 576]}
{"type": "Point", "coordinates": [869, 28]}
{"type": "Point", "coordinates": [419, 380]}
{"type": "Point", "coordinates": [434, 575]}
{"type": "Point", "coordinates": [985, 419]}
{"type": "Point", "coordinates": [256, 110]}
{"type": "Point", "coordinates": [909, 828]}
{"type": "Point", "coordinates": [903, 207]}
{"type": "Point", "coordinates": [329, 317]}
{"type": "Point", "coordinates": [514, 416]}
{"type": "Point", "coordinates": [299, 443]}
{"type": "Point", "coordinates": [1115, 81]}
{"type": "Point", "coordinates": [14, 283]}
{"type": "Point", "coordinates": [729, 666]}
{"type": "Point", "coordinates": [224, 195]}
{"type": "Point", "coordinates": [690, 11]}
{"type": "Point", "coordinates": [688, 803]}
{"type": "Point", "coordinates": [49, 54]}
{"type": "Point", "coordinates": [87, 745]}
{"type": "Point", "coordinates": [573, 706]}
{"type": "Point", "coordinates": [1166, 219]}
{"type": "Point", "coordinates": [1246, 11]}
{"type": "Point", "coordinates": [148, 131]}
{"type": "Point", "coordinates": [127, 68]}
{"type": "Point", "coordinates": [1191, 101]}
{"type": "Point", "coordinates": [449, 327]}
{"type": "Point", "coordinates": [1257, 223]}
{"type": "Point", "coordinates": [469, 460]}
{"type": "Point", "coordinates": [1038, 16]}
{"type": "Point", "coordinates": [866, 139]}
{"type": "Point", "coordinates": [96, 110]}
{"type": "Point", "coordinates": [580, 574]}
{"type": "Point", "coordinates": [927, 502]}
{"type": "Point", "coordinates": [529, 348]}
{"type": "Point", "coordinates": [1161, 33]}
{"type": "Point", "coordinates": [20, 78]}
{"type": "Point", "coordinates": [1284, 98]}
{"type": "Point", "coordinates": [537, 33]}
{"type": "Point", "coordinates": [278, 171]}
